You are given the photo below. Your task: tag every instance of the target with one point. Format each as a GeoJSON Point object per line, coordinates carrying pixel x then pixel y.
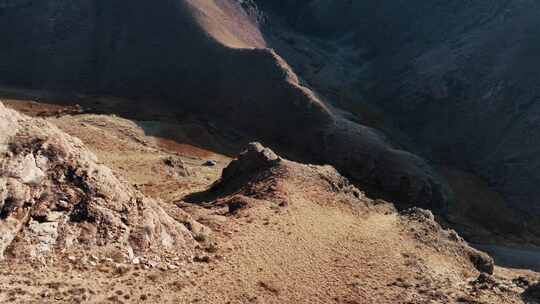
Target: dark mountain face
{"type": "Point", "coordinates": [456, 81]}
{"type": "Point", "coordinates": [178, 55]}
{"type": "Point", "coordinates": [154, 50]}
{"type": "Point", "coordinates": [102, 46]}
{"type": "Point", "coordinates": [453, 81]}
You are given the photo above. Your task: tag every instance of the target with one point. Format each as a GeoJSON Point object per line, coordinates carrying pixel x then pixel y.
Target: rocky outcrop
{"type": "Point", "coordinates": [55, 197]}
{"type": "Point", "coordinates": [430, 233]}
{"type": "Point", "coordinates": [250, 162]}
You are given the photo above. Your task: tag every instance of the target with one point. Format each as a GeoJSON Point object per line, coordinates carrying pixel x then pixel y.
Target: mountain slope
{"type": "Point", "coordinates": [203, 57]}
{"type": "Point", "coordinates": [455, 82]}
{"type": "Point", "coordinates": [281, 232]}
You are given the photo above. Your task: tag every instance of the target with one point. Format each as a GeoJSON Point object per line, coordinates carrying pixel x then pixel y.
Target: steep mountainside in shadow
{"type": "Point", "coordinates": [455, 81]}
{"type": "Point", "coordinates": [206, 57]}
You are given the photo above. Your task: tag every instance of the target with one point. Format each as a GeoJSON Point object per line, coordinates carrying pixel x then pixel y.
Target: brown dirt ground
{"type": "Point", "coordinates": [315, 250]}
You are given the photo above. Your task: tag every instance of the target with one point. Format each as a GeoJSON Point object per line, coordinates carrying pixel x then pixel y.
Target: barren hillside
{"type": "Point", "coordinates": [453, 81]}
{"type": "Point", "coordinates": [119, 155]}
{"type": "Point", "coordinates": [266, 230]}
{"type": "Point", "coordinates": [203, 57]}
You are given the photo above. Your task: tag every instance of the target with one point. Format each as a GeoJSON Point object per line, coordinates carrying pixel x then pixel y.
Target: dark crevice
{"type": "Point", "coordinates": [40, 218]}
{"type": "Point", "coordinates": [81, 214]}
{"type": "Point", "coordinates": [9, 206]}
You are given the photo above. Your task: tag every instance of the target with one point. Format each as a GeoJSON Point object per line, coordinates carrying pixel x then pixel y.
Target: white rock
{"type": "Point", "coordinates": [27, 170]}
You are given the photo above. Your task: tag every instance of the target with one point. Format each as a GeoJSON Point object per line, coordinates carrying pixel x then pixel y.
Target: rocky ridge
{"type": "Point", "coordinates": [259, 174]}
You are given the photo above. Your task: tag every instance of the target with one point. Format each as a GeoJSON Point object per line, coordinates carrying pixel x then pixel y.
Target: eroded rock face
{"type": "Point", "coordinates": [55, 196]}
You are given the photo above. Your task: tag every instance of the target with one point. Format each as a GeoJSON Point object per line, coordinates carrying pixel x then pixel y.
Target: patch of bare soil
{"type": "Point", "coordinates": [266, 230]}
{"type": "Point", "coordinates": [40, 109]}
{"type": "Point", "coordinates": [160, 167]}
